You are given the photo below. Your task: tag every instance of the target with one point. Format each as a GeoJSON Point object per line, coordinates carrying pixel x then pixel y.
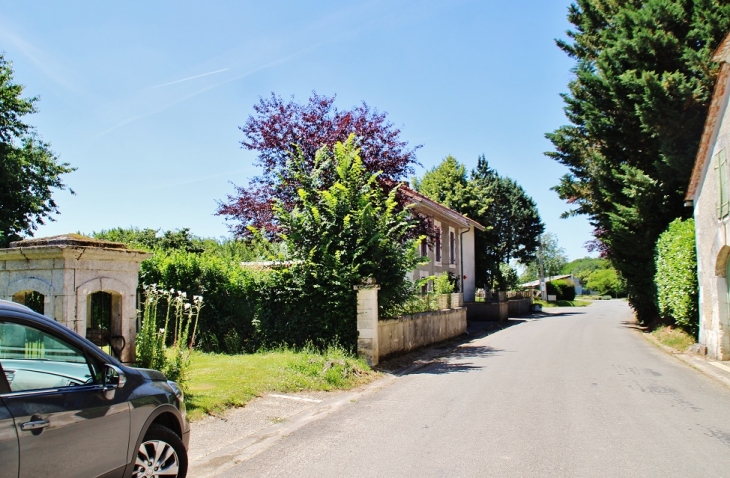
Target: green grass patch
{"type": "Point", "coordinates": [672, 337]}
{"type": "Point", "coordinates": [218, 382]}
{"type": "Point", "coordinates": [563, 303]}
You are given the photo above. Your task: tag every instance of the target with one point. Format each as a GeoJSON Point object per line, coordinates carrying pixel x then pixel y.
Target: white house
{"type": "Point", "coordinates": [709, 194]}
{"type": "Point", "coordinates": [453, 249]}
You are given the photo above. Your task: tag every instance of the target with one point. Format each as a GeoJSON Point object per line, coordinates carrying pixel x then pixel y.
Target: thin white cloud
{"type": "Point", "coordinates": [47, 65]}
{"type": "Point", "coordinates": [189, 78]}
{"type": "Point", "coordinates": [189, 96]}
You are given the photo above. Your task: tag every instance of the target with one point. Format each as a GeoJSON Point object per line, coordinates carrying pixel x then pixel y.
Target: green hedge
{"type": "Point", "coordinates": [247, 309]}
{"type": "Point", "coordinates": [230, 293]}
{"type": "Point", "coordinates": [676, 275]}
{"type": "Point", "coordinates": [563, 289]}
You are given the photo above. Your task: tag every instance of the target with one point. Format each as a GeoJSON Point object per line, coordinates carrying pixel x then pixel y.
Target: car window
{"type": "Point", "coordinates": [33, 359]}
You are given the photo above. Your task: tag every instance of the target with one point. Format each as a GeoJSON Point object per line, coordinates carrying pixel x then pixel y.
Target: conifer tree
{"type": "Point", "coordinates": [637, 104]}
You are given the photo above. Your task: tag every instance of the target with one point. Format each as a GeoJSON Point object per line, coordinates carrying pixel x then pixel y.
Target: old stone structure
{"type": "Point", "coordinates": [88, 285]}
{"type": "Point", "coordinates": [709, 194]}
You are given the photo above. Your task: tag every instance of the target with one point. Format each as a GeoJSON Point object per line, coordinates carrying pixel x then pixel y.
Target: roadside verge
{"type": "Point", "coordinates": [717, 370]}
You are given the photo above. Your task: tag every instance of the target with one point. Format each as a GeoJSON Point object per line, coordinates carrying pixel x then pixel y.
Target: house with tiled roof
{"type": "Point", "coordinates": [709, 194]}
{"type": "Point", "coordinates": [451, 250]}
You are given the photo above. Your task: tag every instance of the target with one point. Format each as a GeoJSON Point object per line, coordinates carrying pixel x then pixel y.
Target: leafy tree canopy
{"type": "Point", "coordinates": [582, 268]}
{"type": "Point", "coordinates": [280, 129]}
{"type": "Point", "coordinates": [553, 257]}
{"type": "Point", "coordinates": [636, 106]}
{"type": "Point", "coordinates": [29, 169]}
{"type": "Point", "coordinates": [606, 282]}
{"type": "Point", "coordinates": [344, 229]}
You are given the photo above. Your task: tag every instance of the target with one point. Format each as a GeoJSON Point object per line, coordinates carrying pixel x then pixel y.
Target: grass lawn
{"type": "Point", "coordinates": [563, 303]}
{"type": "Point", "coordinates": [672, 337]}
{"type": "Point", "coordinates": [217, 382]}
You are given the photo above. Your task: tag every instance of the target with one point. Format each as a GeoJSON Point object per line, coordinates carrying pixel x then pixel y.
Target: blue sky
{"type": "Point", "coordinates": [145, 99]}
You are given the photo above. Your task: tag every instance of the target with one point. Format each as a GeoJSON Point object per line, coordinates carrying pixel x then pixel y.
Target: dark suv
{"type": "Point", "coordinates": [67, 409]}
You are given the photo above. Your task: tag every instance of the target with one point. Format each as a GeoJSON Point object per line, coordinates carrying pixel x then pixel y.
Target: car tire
{"type": "Point", "coordinates": [163, 451]}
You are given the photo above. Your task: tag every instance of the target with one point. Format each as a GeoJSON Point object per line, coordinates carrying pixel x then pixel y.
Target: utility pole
{"type": "Point", "coordinates": [541, 269]}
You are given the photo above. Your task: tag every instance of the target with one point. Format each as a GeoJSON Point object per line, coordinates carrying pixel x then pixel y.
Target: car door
{"type": "Point", "coordinates": [8, 437]}
{"type": "Point", "coordinates": [66, 426]}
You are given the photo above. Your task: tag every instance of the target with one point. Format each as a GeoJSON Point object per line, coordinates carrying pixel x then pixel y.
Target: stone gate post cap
{"type": "Point", "coordinates": [368, 283]}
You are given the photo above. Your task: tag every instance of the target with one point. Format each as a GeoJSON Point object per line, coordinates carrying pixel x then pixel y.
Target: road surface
{"type": "Point", "coordinates": [576, 393]}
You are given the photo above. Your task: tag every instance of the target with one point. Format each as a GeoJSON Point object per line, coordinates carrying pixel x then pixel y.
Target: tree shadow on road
{"type": "Point", "coordinates": [633, 324]}
{"type": "Point", "coordinates": [443, 367]}
{"type": "Point", "coordinates": [452, 363]}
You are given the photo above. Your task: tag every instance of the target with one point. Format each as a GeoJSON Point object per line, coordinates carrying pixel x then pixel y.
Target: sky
{"type": "Point", "coordinates": [145, 99]}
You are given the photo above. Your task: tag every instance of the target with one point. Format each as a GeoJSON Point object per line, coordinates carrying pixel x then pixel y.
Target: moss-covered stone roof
{"type": "Point", "coordinates": [68, 240]}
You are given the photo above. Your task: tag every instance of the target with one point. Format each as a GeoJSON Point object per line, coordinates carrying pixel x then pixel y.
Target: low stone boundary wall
{"type": "Point", "coordinates": [487, 311]}
{"type": "Point", "coordinates": [410, 332]}
{"type": "Point", "coordinates": [478, 311]}
{"type": "Point", "coordinates": [519, 307]}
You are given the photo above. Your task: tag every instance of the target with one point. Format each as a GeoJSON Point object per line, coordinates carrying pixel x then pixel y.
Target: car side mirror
{"type": "Point", "coordinates": [114, 378]}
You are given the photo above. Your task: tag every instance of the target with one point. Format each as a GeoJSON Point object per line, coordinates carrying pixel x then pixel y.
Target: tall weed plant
{"type": "Point", "coordinates": [168, 348]}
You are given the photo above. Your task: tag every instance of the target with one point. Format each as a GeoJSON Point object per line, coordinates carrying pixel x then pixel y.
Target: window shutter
{"type": "Point", "coordinates": [721, 181]}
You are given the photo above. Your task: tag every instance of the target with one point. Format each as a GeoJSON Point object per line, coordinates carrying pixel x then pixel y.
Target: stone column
{"type": "Point", "coordinates": [367, 321]}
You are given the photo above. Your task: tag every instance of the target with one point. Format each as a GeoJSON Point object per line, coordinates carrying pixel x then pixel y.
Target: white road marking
{"type": "Point", "coordinates": [300, 399]}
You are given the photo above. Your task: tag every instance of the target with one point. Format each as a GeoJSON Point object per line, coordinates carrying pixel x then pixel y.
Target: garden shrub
{"type": "Point", "coordinates": [562, 289]}
{"type": "Point", "coordinates": [606, 282]}
{"type": "Point", "coordinates": [343, 229]}
{"type": "Point", "coordinates": [676, 275]}
{"type": "Point", "coordinates": [231, 295]}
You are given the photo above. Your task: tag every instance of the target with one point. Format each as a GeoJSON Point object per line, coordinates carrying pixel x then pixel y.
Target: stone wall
{"type": "Point", "coordinates": [480, 311]}
{"type": "Point", "coordinates": [518, 307]}
{"type": "Point", "coordinates": [410, 332]}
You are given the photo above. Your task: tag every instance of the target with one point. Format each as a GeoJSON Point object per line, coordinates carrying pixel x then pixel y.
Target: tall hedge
{"type": "Point", "coordinates": [676, 275]}
{"type": "Point", "coordinates": [231, 295]}
{"type": "Point", "coordinates": [562, 289]}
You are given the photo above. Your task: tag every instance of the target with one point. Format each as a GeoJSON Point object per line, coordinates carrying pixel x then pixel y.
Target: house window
{"type": "Point", "coordinates": [452, 246]}
{"type": "Point", "coordinates": [426, 286]}
{"type": "Point", "coordinates": [721, 177]}
{"type": "Point", "coordinates": [437, 242]}
{"type": "Point", "coordinates": [424, 247]}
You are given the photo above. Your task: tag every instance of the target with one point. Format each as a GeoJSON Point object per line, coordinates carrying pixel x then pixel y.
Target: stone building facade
{"type": "Point", "coordinates": [88, 285]}
{"type": "Point", "coordinates": [453, 250]}
{"type": "Point", "coordinates": [709, 194]}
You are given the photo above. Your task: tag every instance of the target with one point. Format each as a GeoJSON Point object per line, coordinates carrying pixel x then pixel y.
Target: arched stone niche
{"type": "Point", "coordinates": [67, 270]}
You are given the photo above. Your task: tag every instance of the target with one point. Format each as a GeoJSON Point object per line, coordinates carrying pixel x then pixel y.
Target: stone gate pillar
{"type": "Point", "coordinates": [367, 321]}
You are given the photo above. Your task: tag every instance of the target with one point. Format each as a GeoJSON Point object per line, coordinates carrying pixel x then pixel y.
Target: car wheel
{"type": "Point", "coordinates": [161, 453]}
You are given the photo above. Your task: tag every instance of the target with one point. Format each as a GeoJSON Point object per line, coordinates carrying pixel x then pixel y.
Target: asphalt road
{"type": "Point", "coordinates": [577, 393]}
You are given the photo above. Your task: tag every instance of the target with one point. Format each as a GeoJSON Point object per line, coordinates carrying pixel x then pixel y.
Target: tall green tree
{"type": "Point", "coordinates": [582, 268]}
{"type": "Point", "coordinates": [344, 229]}
{"type": "Point", "coordinates": [512, 222]}
{"type": "Point", "coordinates": [642, 85]}
{"type": "Point", "coordinates": [29, 170]}
{"type": "Point", "coordinates": [553, 259]}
